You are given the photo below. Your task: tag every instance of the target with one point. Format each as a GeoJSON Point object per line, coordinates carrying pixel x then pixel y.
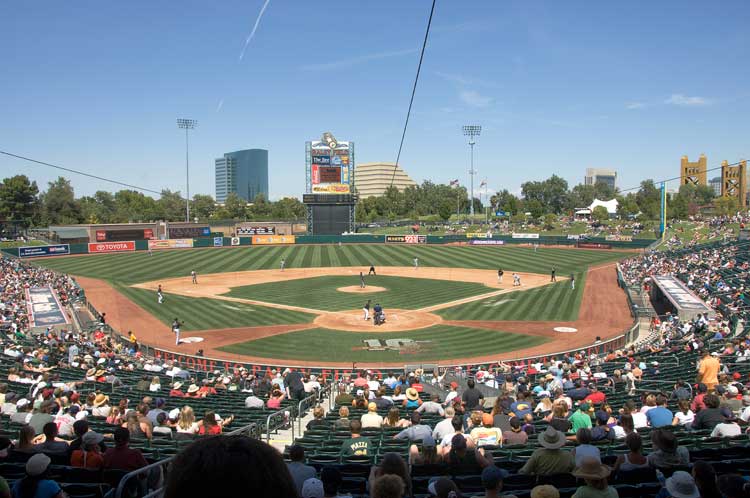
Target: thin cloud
{"type": "Point", "coordinates": [461, 80]}
{"type": "Point", "coordinates": [473, 98]}
{"type": "Point", "coordinates": [255, 28]}
{"type": "Point", "coordinates": [635, 105]}
{"type": "Point", "coordinates": [357, 60]}
{"type": "Point", "coordinates": [679, 99]}
{"type": "Point", "coordinates": [220, 105]}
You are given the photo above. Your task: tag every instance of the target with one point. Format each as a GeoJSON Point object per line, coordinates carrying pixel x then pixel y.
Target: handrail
{"type": "Point", "coordinates": [250, 430]}
{"type": "Point", "coordinates": [313, 397]}
{"type": "Point", "coordinates": [138, 473]}
{"type": "Point", "coordinates": [283, 415]}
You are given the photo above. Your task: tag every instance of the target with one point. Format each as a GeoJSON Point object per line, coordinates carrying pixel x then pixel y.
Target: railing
{"type": "Point", "coordinates": [252, 430]}
{"type": "Point", "coordinates": [282, 415]}
{"type": "Point", "coordinates": [304, 405]}
{"type": "Point", "coordinates": [144, 473]}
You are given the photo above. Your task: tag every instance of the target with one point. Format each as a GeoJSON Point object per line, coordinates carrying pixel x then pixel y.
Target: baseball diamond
{"type": "Point", "coordinates": [449, 309]}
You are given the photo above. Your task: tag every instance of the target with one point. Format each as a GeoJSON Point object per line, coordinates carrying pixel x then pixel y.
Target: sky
{"type": "Point", "coordinates": [556, 86]}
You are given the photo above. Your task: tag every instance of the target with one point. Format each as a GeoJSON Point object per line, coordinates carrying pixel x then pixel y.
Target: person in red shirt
{"type": "Point", "coordinates": [122, 457]}
{"type": "Point", "coordinates": [175, 391]}
{"type": "Point", "coordinates": [596, 397]}
{"type": "Point", "coordinates": [209, 426]}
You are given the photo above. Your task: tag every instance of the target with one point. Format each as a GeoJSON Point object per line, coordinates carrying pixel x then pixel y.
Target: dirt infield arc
{"type": "Point", "coordinates": [603, 313]}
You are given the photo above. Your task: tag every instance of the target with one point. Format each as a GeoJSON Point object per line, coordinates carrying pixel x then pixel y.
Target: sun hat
{"type": "Point", "coordinates": [591, 468]}
{"type": "Point", "coordinates": [492, 476]}
{"type": "Point", "coordinates": [545, 491]}
{"type": "Point", "coordinates": [551, 439]}
{"type": "Point", "coordinates": [312, 488]}
{"type": "Point", "coordinates": [412, 394]}
{"type": "Point", "coordinates": [682, 485]}
{"type": "Point", "coordinates": [100, 399]}
{"type": "Point", "coordinates": [372, 407]}
{"type": "Point", "coordinates": [37, 464]}
{"type": "Point", "coordinates": [99, 372]}
{"type": "Point", "coordinates": [91, 437]}
{"type": "Point", "coordinates": [193, 389]}
{"type": "Point", "coordinates": [174, 414]}
{"type": "Point", "coordinates": [176, 385]}
{"type": "Point", "coordinates": [91, 371]}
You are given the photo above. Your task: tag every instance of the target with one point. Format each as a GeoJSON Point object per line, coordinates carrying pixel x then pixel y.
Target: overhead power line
{"type": "Point", "coordinates": [83, 173]}
{"type": "Point", "coordinates": [413, 91]}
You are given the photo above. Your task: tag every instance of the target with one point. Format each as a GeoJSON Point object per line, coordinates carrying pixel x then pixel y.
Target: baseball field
{"type": "Point", "coordinates": [452, 308]}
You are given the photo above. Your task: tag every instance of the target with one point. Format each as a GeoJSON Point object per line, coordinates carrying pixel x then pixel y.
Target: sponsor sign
{"type": "Point", "coordinates": [188, 232]}
{"type": "Point", "coordinates": [330, 169]}
{"type": "Point", "coordinates": [235, 241]}
{"type": "Point", "coordinates": [124, 235]}
{"type": "Point", "coordinates": [406, 239]}
{"type": "Point", "coordinates": [574, 237]}
{"type": "Point", "coordinates": [218, 241]}
{"type": "Point", "coordinates": [170, 244]}
{"type": "Point", "coordinates": [486, 242]}
{"type": "Point", "coordinates": [45, 309]}
{"type": "Point", "coordinates": [256, 231]}
{"type": "Point", "coordinates": [501, 213]}
{"type": "Point", "coordinates": [331, 188]}
{"type": "Point", "coordinates": [97, 247]}
{"type": "Point", "coordinates": [324, 160]}
{"type": "Point", "coordinates": [329, 174]}
{"type": "Point", "coordinates": [525, 236]}
{"type": "Point", "coordinates": [272, 239]}
{"type": "Point", "coordinates": [478, 235]}
{"type": "Point", "coordinates": [619, 238]}
{"type": "Point", "coordinates": [594, 245]}
{"type": "Point", "coordinates": [38, 251]}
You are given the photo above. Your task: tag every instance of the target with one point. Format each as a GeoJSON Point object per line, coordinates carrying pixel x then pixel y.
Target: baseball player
{"type": "Point", "coordinates": [176, 324]}
{"type": "Point", "coordinates": [552, 275]}
{"type": "Point", "coordinates": [416, 262]}
{"type": "Point", "coordinates": [372, 270]}
{"type": "Point", "coordinates": [366, 309]}
{"type": "Point", "coordinates": [516, 280]}
{"type": "Point", "coordinates": [572, 281]}
{"type": "Point", "coordinates": [194, 276]}
{"type": "Point", "coordinates": [150, 252]}
{"type": "Point", "coordinates": [361, 280]}
{"type": "Point", "coordinates": [500, 273]}
{"type": "Point", "coordinates": [159, 295]}
{"type": "Point", "coordinates": [283, 263]}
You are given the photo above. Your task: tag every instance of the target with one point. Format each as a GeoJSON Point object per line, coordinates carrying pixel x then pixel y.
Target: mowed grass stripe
{"type": "Point", "coordinates": [442, 341]}
{"type": "Point", "coordinates": [205, 314]}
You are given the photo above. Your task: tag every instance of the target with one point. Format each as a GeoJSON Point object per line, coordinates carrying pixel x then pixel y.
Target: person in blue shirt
{"type": "Point", "coordinates": [660, 416]}
{"type": "Point", "coordinates": [35, 484]}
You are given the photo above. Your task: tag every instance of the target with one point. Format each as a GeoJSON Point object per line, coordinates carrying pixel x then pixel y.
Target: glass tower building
{"type": "Point", "coordinates": [244, 172]}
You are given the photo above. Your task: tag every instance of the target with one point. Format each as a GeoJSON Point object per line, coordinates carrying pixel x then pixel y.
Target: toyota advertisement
{"type": "Point", "coordinates": [99, 247]}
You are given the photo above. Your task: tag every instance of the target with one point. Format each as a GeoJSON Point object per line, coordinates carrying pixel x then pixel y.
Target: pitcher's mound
{"type": "Point", "coordinates": [360, 290]}
{"type": "Point", "coordinates": [396, 320]}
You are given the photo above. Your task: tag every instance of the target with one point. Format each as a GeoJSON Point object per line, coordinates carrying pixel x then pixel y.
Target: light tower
{"type": "Point", "coordinates": [472, 131]}
{"type": "Point", "coordinates": [187, 124]}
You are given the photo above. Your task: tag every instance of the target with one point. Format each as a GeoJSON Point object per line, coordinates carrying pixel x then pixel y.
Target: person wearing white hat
{"type": "Point", "coordinates": [682, 485]}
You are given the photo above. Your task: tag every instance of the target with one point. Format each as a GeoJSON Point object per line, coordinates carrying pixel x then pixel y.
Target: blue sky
{"type": "Point", "coordinates": [557, 87]}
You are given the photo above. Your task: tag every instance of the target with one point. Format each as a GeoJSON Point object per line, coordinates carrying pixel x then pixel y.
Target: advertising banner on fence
{"type": "Point", "coordinates": [573, 237]}
{"type": "Point", "coordinates": [170, 244]}
{"type": "Point", "coordinates": [406, 239]}
{"type": "Point", "coordinates": [256, 230]}
{"type": "Point", "coordinates": [594, 245]}
{"type": "Point", "coordinates": [218, 241]}
{"type": "Point", "coordinates": [525, 235]}
{"type": "Point", "coordinates": [37, 251]}
{"type": "Point", "coordinates": [478, 235]}
{"type": "Point", "coordinates": [235, 241]}
{"type": "Point", "coordinates": [272, 239]}
{"type": "Point", "coordinates": [112, 246]}
{"type": "Point", "coordinates": [185, 232]}
{"type": "Point", "coordinates": [486, 242]}
{"type": "Point", "coordinates": [619, 238]}
{"type": "Point", "coordinates": [45, 309]}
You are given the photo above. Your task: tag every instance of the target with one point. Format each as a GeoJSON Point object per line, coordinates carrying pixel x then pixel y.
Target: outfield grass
{"type": "Point", "coordinates": [320, 292]}
{"type": "Point", "coordinates": [140, 267]}
{"type": "Point", "coordinates": [443, 341]}
{"type": "Point", "coordinates": [554, 302]}
{"type": "Point", "coordinates": [204, 313]}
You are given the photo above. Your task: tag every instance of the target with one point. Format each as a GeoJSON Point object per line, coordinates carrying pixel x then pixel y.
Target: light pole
{"type": "Point", "coordinates": [187, 124]}
{"type": "Point", "coordinates": [472, 131]}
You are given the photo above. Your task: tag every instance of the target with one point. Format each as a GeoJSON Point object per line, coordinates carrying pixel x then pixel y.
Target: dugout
{"type": "Point", "coordinates": [671, 294]}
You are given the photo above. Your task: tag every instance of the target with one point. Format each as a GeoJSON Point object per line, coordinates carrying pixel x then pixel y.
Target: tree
{"type": "Point", "coordinates": [600, 214]}
{"type": "Point", "coordinates": [235, 207]}
{"type": "Point", "coordinates": [445, 209]}
{"type": "Point", "coordinates": [726, 206]}
{"type": "Point", "coordinates": [549, 221]}
{"type": "Point", "coordinates": [260, 208]}
{"type": "Point", "coordinates": [581, 196]}
{"type": "Point", "coordinates": [133, 206]}
{"type": "Point", "coordinates": [172, 206]}
{"type": "Point", "coordinates": [627, 206]}
{"type": "Point", "coordinates": [552, 194]}
{"type": "Point", "coordinates": [648, 200]}
{"type": "Point", "coordinates": [59, 204]}
{"type": "Point", "coordinates": [536, 208]}
{"type": "Point", "coordinates": [288, 208]}
{"type": "Point", "coordinates": [19, 200]}
{"type": "Point", "coordinates": [505, 201]}
{"type": "Point", "coordinates": [203, 206]}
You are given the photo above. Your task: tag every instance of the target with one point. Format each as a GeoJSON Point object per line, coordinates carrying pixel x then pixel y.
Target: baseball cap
{"type": "Point", "coordinates": [454, 384]}
{"type": "Point", "coordinates": [492, 476]}
{"type": "Point", "coordinates": [584, 407]}
{"type": "Point", "coordinates": [312, 488]}
{"type": "Point", "coordinates": [37, 464]}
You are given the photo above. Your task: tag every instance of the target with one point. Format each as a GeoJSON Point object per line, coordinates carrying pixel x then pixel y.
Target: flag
{"type": "Point", "coordinates": [483, 184]}
{"type": "Point", "coordinates": [454, 183]}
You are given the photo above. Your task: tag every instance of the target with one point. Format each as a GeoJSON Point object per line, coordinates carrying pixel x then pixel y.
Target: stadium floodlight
{"type": "Point", "coordinates": [472, 131]}
{"type": "Point", "coordinates": [187, 124]}
{"type": "Point", "coordinates": [329, 139]}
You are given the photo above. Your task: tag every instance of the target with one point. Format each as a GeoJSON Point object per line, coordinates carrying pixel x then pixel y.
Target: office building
{"type": "Point", "coordinates": [372, 179]}
{"type": "Point", "coordinates": [244, 172]}
{"type": "Point", "coordinates": [715, 184]}
{"type": "Point", "coordinates": [600, 175]}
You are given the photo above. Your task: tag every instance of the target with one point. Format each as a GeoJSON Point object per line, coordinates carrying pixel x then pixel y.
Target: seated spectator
{"type": "Point", "coordinates": [432, 407]}
{"type": "Point", "coordinates": [35, 484]}
{"type": "Point", "coordinates": [343, 397]}
{"type": "Point", "coordinates": [458, 428]}
{"type": "Point", "coordinates": [51, 445]}
{"type": "Point", "coordinates": [122, 457]}
{"type": "Point", "coordinates": [445, 426]}
{"type": "Point", "coordinates": [727, 428]}
{"type": "Point", "coordinates": [595, 397]}
{"type": "Point", "coordinates": [417, 431]}
{"type": "Point", "coordinates": [331, 479]}
{"type": "Point", "coordinates": [393, 419]}
{"type": "Point", "coordinates": [704, 476]}
{"type": "Point", "coordinates": [253, 402]}
{"type": "Point", "coordinates": [387, 486]}
{"type": "Point", "coordinates": [153, 413]}
{"type": "Point", "coordinates": [633, 459]}
{"type": "Point", "coordinates": [115, 416]}
{"type": "Point", "coordinates": [380, 400]}
{"type": "Point", "coordinates": [392, 464]}
{"type": "Point", "coordinates": [237, 462]}
{"type": "Point", "coordinates": [43, 417]}
{"type": "Point", "coordinates": [492, 482]}
{"type": "Point", "coordinates": [595, 476]}
{"type": "Point", "coordinates": [89, 456]}
{"type": "Point", "coordinates": [312, 488]}
{"type": "Point", "coordinates": [516, 435]}
{"type": "Point", "coordinates": [274, 402]}
{"type": "Point", "coordinates": [550, 458]}
{"type": "Point", "coordinates": [584, 449]}
{"type": "Point", "coordinates": [485, 434]}
{"type": "Point", "coordinates": [559, 419]}
{"type": "Point", "coordinates": [371, 419]}
{"type": "Point", "coordinates": [176, 390]}
{"type": "Point", "coordinates": [427, 456]}
{"type": "Point", "coordinates": [318, 421]}
{"type": "Point", "coordinates": [624, 426]}
{"type": "Point", "coordinates": [710, 416]}
{"type": "Point", "coordinates": [545, 491]}
{"type": "Point", "coordinates": [343, 421]}
{"type": "Point", "coordinates": [297, 468]}
{"type": "Point", "coordinates": [101, 406]}
{"type": "Point", "coordinates": [684, 416]}
{"type": "Point", "coordinates": [357, 444]}
{"type": "Point", "coordinates": [602, 431]}
{"type": "Point", "coordinates": [81, 428]}
{"type": "Point", "coordinates": [162, 427]}
{"type": "Point", "coordinates": [667, 452]}
{"type": "Point", "coordinates": [137, 428]}
{"type": "Point", "coordinates": [580, 418]}
{"type": "Point", "coordinates": [444, 488]}
{"type": "Point", "coordinates": [412, 400]}
{"type": "Point", "coordinates": [155, 385]}
{"type": "Point", "coordinates": [660, 415]}
{"type": "Point", "coordinates": [212, 425]}
{"type": "Point", "coordinates": [733, 486]}
{"type": "Point", "coordinates": [639, 419]}
{"type": "Point", "coordinates": [460, 455]}
{"type": "Point", "coordinates": [26, 438]}
{"type": "Point", "coordinates": [681, 485]}
{"type": "Point", "coordinates": [186, 424]}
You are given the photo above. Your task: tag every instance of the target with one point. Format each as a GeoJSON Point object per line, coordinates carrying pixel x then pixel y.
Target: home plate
{"type": "Point", "coordinates": [565, 329]}
{"type": "Point", "coordinates": [191, 339]}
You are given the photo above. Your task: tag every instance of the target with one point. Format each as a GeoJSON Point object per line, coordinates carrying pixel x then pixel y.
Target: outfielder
{"type": "Point", "coordinates": [416, 263]}
{"type": "Point", "coordinates": [283, 264]}
{"type": "Point", "coordinates": [195, 276]}
{"type": "Point", "coordinates": [572, 281]}
{"type": "Point", "coordinates": [361, 280]}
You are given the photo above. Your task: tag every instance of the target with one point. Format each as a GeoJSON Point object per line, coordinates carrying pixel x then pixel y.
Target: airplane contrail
{"type": "Point", "coordinates": [220, 105]}
{"type": "Point", "coordinates": [252, 33]}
